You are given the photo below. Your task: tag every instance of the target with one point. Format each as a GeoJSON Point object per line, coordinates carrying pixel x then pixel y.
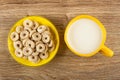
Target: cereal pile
{"type": "Point", "coordinates": [32, 41]}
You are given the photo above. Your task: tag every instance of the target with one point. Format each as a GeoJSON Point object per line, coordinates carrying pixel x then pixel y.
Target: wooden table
{"type": "Point", "coordinates": [66, 65]}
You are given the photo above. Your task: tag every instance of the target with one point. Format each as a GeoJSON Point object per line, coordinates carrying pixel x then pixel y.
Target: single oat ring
{"type": "Point", "coordinates": [32, 41]}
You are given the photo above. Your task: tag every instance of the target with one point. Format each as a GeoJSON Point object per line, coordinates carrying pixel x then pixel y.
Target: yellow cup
{"type": "Point", "coordinates": [106, 51]}
{"type": "Point", "coordinates": [40, 20]}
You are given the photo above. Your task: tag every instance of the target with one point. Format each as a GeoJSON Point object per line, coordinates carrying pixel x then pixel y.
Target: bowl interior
{"type": "Point", "coordinates": [40, 20]}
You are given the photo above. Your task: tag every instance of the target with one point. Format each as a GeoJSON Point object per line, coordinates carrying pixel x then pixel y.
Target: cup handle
{"type": "Point", "coordinates": [106, 51]}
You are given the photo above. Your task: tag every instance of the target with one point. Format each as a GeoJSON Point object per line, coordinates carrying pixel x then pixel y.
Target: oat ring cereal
{"type": "Point", "coordinates": [50, 43]}
{"type": "Point", "coordinates": [40, 47]}
{"type": "Point", "coordinates": [18, 44]}
{"type": "Point", "coordinates": [41, 28]}
{"type": "Point", "coordinates": [32, 41]}
{"type": "Point", "coordinates": [36, 36]}
{"type": "Point", "coordinates": [27, 51]}
{"type": "Point", "coordinates": [19, 53]}
{"type": "Point", "coordinates": [24, 34]}
{"type": "Point", "coordinates": [43, 55]}
{"type": "Point", "coordinates": [14, 36]}
{"type": "Point", "coordinates": [28, 23]}
{"type": "Point", "coordinates": [19, 29]}
{"type": "Point", "coordinates": [35, 53]}
{"type": "Point", "coordinates": [35, 25]}
{"type": "Point", "coordinates": [31, 32]}
{"type": "Point", "coordinates": [33, 58]}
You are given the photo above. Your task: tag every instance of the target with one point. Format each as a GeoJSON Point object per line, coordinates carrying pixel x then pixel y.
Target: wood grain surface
{"type": "Point", "coordinates": [65, 65]}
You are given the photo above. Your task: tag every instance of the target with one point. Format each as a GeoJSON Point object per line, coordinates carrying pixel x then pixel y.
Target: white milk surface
{"type": "Point", "coordinates": [84, 36]}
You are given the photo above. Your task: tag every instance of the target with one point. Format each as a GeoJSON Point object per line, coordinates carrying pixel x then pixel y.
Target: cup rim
{"type": "Point", "coordinates": [38, 18]}
{"type": "Point", "coordinates": [96, 21]}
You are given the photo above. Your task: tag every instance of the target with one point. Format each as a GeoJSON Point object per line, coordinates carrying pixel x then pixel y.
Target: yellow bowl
{"type": "Point", "coordinates": [43, 21]}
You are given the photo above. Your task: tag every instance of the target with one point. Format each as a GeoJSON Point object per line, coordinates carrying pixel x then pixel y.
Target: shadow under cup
{"type": "Point", "coordinates": [85, 36]}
